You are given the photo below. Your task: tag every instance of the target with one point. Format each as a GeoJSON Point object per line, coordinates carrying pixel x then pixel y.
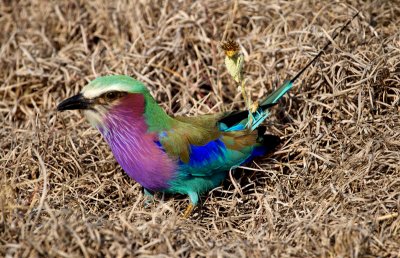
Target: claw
{"type": "Point", "coordinates": [188, 211]}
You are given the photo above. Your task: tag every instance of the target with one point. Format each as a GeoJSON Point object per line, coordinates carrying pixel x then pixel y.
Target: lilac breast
{"type": "Point", "coordinates": [125, 130]}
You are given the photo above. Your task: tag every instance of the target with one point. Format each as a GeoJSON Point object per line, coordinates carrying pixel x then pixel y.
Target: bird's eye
{"type": "Point", "coordinates": [111, 95]}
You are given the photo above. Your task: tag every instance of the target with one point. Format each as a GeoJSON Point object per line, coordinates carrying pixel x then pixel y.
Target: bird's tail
{"type": "Point", "coordinates": [256, 118]}
{"type": "Point", "coordinates": [278, 93]}
{"type": "Point", "coordinates": [261, 114]}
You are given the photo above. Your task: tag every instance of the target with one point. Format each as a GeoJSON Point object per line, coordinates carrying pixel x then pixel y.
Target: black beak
{"type": "Point", "coordinates": [75, 102]}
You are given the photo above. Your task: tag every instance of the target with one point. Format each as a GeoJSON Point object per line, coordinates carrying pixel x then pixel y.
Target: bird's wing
{"type": "Point", "coordinates": [204, 121]}
{"type": "Point", "coordinates": [186, 132]}
{"type": "Point", "coordinates": [203, 149]}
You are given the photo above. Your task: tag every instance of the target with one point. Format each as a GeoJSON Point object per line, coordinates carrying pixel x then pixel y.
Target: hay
{"type": "Point", "coordinates": [332, 189]}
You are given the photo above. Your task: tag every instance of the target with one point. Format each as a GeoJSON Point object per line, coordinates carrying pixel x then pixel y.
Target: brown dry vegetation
{"type": "Point", "coordinates": [332, 188]}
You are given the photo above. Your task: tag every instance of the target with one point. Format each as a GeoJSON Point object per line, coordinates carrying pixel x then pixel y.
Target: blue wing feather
{"type": "Point", "coordinates": [202, 155]}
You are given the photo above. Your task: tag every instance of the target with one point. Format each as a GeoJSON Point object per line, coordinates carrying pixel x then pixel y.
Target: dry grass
{"type": "Point", "coordinates": [332, 189]}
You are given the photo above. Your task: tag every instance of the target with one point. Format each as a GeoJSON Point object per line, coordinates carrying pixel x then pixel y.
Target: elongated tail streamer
{"type": "Point", "coordinates": [258, 117]}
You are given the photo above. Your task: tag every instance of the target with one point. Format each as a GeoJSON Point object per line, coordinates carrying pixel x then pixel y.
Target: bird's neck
{"type": "Point", "coordinates": [138, 112]}
{"type": "Point", "coordinates": [156, 118]}
{"type": "Point", "coordinates": [131, 136]}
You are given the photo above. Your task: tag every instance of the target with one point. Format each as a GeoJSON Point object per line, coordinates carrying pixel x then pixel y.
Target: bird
{"type": "Point", "coordinates": [187, 155]}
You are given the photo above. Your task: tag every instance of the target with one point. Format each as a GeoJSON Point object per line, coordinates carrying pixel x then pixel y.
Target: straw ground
{"type": "Point", "coordinates": [331, 189]}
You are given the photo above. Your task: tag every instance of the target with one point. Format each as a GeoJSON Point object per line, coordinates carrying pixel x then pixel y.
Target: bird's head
{"type": "Point", "coordinates": [104, 95]}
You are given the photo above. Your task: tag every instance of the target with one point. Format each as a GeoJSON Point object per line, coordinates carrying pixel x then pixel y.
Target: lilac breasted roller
{"type": "Point", "coordinates": [174, 154]}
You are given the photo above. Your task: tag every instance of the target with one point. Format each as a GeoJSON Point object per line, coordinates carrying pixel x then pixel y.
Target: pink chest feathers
{"type": "Point", "coordinates": [135, 149]}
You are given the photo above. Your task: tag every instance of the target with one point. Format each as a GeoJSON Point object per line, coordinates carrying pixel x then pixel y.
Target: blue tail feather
{"type": "Point", "coordinates": [278, 93]}
{"type": "Point", "coordinates": [258, 117]}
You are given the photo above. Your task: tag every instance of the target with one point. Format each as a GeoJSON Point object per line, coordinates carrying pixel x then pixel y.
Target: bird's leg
{"type": "Point", "coordinates": [148, 197]}
{"type": "Point", "coordinates": [194, 199]}
{"type": "Point", "coordinates": [188, 211]}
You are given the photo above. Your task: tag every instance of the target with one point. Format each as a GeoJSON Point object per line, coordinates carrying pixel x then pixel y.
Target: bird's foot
{"type": "Point", "coordinates": [148, 198]}
{"type": "Point", "coordinates": [188, 211]}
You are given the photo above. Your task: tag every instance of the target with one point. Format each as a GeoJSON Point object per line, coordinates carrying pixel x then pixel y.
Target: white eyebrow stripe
{"type": "Point", "coordinates": [92, 92]}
